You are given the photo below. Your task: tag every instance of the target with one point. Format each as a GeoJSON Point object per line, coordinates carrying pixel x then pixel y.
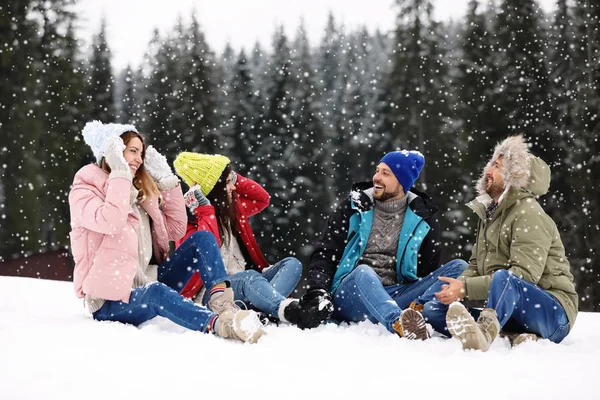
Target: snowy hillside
{"type": "Point", "coordinates": [51, 349]}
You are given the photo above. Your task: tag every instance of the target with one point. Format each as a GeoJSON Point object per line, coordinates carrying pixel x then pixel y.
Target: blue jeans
{"type": "Point", "coordinates": [521, 307]}
{"type": "Point", "coordinates": [199, 253]}
{"type": "Point", "coordinates": [361, 295]}
{"type": "Point", "coordinates": [265, 291]}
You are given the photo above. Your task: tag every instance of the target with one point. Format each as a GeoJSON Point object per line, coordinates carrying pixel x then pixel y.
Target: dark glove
{"type": "Point", "coordinates": [194, 198]}
{"type": "Point", "coordinates": [316, 306]}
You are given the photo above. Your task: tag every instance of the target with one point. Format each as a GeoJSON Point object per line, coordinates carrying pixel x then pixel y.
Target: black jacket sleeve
{"type": "Point", "coordinates": [329, 248]}
{"type": "Point", "coordinates": [430, 251]}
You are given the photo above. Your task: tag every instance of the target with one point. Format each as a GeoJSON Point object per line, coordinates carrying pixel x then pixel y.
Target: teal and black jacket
{"type": "Point", "coordinates": [343, 241]}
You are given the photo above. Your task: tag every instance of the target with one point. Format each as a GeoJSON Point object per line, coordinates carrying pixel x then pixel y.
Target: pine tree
{"type": "Point", "coordinates": [242, 116]}
{"type": "Point", "coordinates": [100, 93]}
{"type": "Point", "coordinates": [380, 125]}
{"type": "Point", "coordinates": [477, 76]}
{"type": "Point", "coordinates": [259, 65]}
{"type": "Point", "coordinates": [522, 94]}
{"type": "Point", "coordinates": [331, 85]}
{"type": "Point", "coordinates": [274, 130]}
{"type": "Point", "coordinates": [61, 113]}
{"type": "Point", "coordinates": [585, 105]}
{"type": "Point", "coordinates": [358, 97]}
{"type": "Point", "coordinates": [19, 143]}
{"type": "Point", "coordinates": [198, 93]}
{"type": "Point", "coordinates": [309, 191]}
{"type": "Point", "coordinates": [421, 110]}
{"type": "Point", "coordinates": [130, 111]}
{"type": "Point", "coordinates": [227, 63]}
{"type": "Point", "coordinates": [417, 76]}
{"type": "Point", "coordinates": [224, 69]}
{"type": "Point", "coordinates": [329, 61]}
{"type": "Point", "coordinates": [162, 106]}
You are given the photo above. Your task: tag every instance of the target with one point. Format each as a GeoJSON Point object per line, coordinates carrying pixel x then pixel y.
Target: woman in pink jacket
{"type": "Point", "coordinates": [124, 212]}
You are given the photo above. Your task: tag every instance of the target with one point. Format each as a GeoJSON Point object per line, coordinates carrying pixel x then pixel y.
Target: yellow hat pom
{"type": "Point", "coordinates": [202, 169]}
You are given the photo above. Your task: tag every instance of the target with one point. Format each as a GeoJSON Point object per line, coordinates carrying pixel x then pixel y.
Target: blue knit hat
{"type": "Point", "coordinates": [406, 166]}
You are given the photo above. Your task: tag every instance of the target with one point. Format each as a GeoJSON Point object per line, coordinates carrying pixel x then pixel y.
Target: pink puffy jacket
{"type": "Point", "coordinates": [104, 239]}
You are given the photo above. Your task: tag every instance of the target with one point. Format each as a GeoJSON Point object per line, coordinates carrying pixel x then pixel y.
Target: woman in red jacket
{"type": "Point", "coordinates": [221, 202]}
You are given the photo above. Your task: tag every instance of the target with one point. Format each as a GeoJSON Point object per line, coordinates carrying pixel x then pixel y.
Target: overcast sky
{"type": "Point", "coordinates": [241, 22]}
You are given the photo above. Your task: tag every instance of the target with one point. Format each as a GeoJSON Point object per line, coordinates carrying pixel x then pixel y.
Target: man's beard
{"type": "Point", "coordinates": [494, 190]}
{"type": "Point", "coordinates": [387, 195]}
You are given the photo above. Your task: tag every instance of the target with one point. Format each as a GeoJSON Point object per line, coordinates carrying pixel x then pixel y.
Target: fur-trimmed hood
{"type": "Point", "coordinates": [521, 170]}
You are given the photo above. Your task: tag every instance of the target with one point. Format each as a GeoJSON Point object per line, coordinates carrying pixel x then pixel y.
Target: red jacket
{"type": "Point", "coordinates": [250, 200]}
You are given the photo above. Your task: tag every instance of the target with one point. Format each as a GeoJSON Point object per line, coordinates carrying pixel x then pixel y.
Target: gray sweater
{"type": "Point", "coordinates": [380, 253]}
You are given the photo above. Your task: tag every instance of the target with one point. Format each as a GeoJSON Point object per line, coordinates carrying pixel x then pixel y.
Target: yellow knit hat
{"type": "Point", "coordinates": [202, 169]}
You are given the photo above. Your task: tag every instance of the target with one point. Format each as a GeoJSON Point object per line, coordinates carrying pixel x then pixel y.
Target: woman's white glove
{"type": "Point", "coordinates": [113, 154]}
{"type": "Point", "coordinates": [156, 164]}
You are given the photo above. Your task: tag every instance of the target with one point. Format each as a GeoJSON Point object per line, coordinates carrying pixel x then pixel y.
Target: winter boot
{"type": "Point", "coordinates": [290, 311]}
{"type": "Point", "coordinates": [302, 315]}
{"type": "Point", "coordinates": [411, 325]}
{"type": "Point", "coordinates": [416, 306]}
{"type": "Point", "coordinates": [519, 338]}
{"type": "Point", "coordinates": [243, 325]}
{"type": "Point", "coordinates": [222, 301]}
{"type": "Point", "coordinates": [525, 337]}
{"type": "Point", "coordinates": [473, 335]}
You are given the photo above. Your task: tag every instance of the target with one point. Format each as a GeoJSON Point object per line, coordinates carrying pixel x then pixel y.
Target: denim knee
{"type": "Point", "coordinates": [292, 266]}
{"type": "Point", "coordinates": [501, 277]}
{"type": "Point", "coordinates": [454, 268]}
{"type": "Point", "coordinates": [155, 294]}
{"type": "Point", "coordinates": [252, 275]}
{"type": "Point", "coordinates": [156, 289]}
{"type": "Point", "coordinates": [364, 272]}
{"type": "Point", "coordinates": [203, 238]}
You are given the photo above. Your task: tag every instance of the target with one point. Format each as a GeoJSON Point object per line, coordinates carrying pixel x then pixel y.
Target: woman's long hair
{"type": "Point", "coordinates": [142, 179]}
{"type": "Point", "coordinates": [224, 208]}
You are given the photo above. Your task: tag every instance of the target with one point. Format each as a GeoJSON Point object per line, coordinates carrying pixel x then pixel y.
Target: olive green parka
{"type": "Point", "coordinates": [520, 236]}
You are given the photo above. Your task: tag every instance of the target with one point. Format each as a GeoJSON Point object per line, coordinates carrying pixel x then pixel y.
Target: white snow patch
{"type": "Point", "coordinates": [52, 349]}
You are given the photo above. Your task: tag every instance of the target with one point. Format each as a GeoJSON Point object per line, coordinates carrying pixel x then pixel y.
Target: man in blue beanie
{"type": "Point", "coordinates": [379, 255]}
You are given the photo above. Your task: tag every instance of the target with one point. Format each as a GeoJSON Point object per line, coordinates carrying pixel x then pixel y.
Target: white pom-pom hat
{"type": "Point", "coordinates": [96, 133]}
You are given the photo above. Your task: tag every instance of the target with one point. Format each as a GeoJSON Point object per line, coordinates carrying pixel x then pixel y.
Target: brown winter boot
{"type": "Point", "coordinates": [519, 338]}
{"type": "Point", "coordinates": [525, 337]}
{"type": "Point", "coordinates": [411, 325]}
{"type": "Point", "coordinates": [222, 301]}
{"type": "Point", "coordinates": [243, 325]}
{"type": "Point", "coordinates": [473, 335]}
{"type": "Point", "coordinates": [416, 306]}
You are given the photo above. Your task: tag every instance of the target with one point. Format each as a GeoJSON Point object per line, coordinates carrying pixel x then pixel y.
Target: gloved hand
{"type": "Point", "coordinates": [194, 198]}
{"type": "Point", "coordinates": [156, 164]}
{"type": "Point", "coordinates": [113, 154]}
{"type": "Point", "coordinates": [317, 306]}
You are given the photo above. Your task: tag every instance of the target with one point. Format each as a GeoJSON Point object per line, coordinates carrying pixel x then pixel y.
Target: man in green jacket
{"type": "Point", "coordinates": [518, 270]}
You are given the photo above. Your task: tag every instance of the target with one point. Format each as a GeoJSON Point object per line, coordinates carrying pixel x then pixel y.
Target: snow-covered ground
{"type": "Point", "coordinates": [51, 349]}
